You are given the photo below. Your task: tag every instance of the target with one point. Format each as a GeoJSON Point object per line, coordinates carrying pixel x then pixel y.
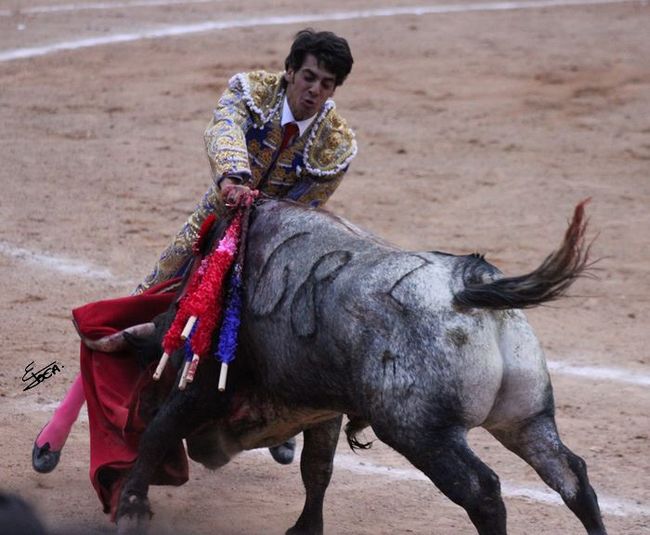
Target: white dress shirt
{"type": "Point", "coordinates": [287, 117]}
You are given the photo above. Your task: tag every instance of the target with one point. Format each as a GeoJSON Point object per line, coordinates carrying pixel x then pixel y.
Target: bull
{"type": "Point", "coordinates": [420, 346]}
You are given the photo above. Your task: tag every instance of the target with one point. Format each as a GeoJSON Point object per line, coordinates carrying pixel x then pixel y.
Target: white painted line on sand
{"type": "Point", "coordinates": [77, 268]}
{"type": "Point", "coordinates": [610, 505]}
{"type": "Point", "coordinates": [66, 8]}
{"type": "Point", "coordinates": [29, 404]}
{"type": "Point", "coordinates": [174, 31]}
{"type": "Point", "coordinates": [600, 373]}
{"type": "Point", "coordinates": [65, 266]}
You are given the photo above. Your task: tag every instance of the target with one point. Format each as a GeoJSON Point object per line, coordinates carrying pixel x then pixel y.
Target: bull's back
{"type": "Point", "coordinates": [343, 319]}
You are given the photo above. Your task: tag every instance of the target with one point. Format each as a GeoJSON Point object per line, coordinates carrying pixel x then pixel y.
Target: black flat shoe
{"type": "Point", "coordinates": [284, 453]}
{"type": "Point", "coordinates": [44, 459]}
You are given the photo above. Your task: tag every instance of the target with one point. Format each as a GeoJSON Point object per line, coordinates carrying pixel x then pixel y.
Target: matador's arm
{"type": "Point", "coordinates": [225, 136]}
{"type": "Point", "coordinates": [225, 141]}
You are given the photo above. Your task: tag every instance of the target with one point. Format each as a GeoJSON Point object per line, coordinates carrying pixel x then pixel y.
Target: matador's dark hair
{"type": "Point", "coordinates": [331, 51]}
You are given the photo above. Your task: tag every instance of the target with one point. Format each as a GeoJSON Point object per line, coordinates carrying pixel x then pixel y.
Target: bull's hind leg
{"type": "Point", "coordinates": [445, 457]}
{"type": "Point", "coordinates": [316, 468]}
{"type": "Point", "coordinates": [537, 442]}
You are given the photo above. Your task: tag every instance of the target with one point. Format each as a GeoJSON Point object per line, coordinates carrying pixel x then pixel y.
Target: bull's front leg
{"type": "Point", "coordinates": [316, 464]}
{"type": "Point", "coordinates": [170, 425]}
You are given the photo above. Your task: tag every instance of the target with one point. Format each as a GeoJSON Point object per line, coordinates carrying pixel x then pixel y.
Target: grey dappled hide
{"type": "Point", "coordinates": [354, 321]}
{"type": "Point", "coordinates": [420, 346]}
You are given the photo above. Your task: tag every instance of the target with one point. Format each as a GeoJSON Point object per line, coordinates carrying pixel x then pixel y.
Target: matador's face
{"type": "Point", "coordinates": [308, 88]}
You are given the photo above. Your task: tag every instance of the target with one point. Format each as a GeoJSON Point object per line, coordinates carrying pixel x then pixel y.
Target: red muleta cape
{"type": "Point", "coordinates": [114, 386]}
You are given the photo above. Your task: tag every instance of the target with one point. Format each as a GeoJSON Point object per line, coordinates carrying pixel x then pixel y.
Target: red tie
{"type": "Point", "coordinates": [290, 131]}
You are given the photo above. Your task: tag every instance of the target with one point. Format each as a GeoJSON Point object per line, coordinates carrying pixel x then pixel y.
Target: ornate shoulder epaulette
{"type": "Point", "coordinates": [262, 93]}
{"type": "Point", "coordinates": [331, 145]}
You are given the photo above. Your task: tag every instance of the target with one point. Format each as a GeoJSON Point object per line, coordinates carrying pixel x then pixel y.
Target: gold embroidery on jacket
{"type": "Point", "coordinates": [308, 171]}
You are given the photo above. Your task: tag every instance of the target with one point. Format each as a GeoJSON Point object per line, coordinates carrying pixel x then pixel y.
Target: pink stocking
{"type": "Point", "coordinates": [57, 430]}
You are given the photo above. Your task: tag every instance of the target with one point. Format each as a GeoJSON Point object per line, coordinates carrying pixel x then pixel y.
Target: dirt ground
{"type": "Point", "coordinates": [477, 131]}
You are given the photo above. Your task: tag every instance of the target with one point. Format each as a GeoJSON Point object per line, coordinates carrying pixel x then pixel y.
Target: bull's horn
{"type": "Point", "coordinates": [117, 342]}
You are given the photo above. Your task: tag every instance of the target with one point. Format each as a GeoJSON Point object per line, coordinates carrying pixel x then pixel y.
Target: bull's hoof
{"type": "Point", "coordinates": [310, 522]}
{"type": "Point", "coordinates": [44, 459]}
{"type": "Point", "coordinates": [128, 525]}
{"type": "Point", "coordinates": [296, 530]}
{"type": "Point", "coordinates": [133, 515]}
{"type": "Point", "coordinates": [284, 453]}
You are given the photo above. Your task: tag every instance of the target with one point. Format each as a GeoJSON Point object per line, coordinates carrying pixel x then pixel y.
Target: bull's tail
{"type": "Point", "coordinates": [549, 281]}
{"type": "Point", "coordinates": [354, 426]}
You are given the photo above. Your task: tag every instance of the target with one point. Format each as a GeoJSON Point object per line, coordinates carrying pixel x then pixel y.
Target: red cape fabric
{"type": "Point", "coordinates": [114, 385]}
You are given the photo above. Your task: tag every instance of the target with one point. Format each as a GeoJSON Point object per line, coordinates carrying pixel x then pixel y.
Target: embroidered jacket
{"type": "Point", "coordinates": [244, 138]}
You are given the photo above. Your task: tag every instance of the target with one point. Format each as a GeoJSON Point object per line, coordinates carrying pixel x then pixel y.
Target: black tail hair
{"type": "Point", "coordinates": [352, 428]}
{"type": "Point", "coordinates": [549, 281]}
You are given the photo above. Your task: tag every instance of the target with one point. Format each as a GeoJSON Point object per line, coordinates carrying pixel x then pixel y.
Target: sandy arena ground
{"type": "Point", "coordinates": [478, 131]}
